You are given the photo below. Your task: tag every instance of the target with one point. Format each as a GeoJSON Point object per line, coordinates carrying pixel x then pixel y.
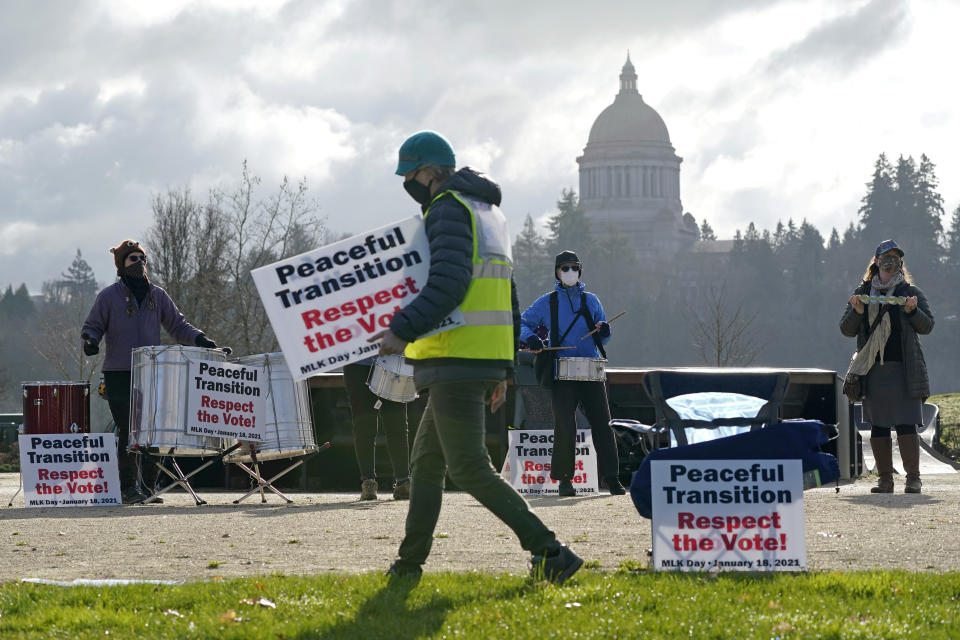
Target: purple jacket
{"type": "Point", "coordinates": [125, 332]}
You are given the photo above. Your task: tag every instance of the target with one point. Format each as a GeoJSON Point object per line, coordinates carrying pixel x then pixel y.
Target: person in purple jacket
{"type": "Point", "coordinates": [129, 314]}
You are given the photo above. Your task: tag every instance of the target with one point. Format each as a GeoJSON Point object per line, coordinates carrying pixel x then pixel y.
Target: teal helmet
{"type": "Point", "coordinates": [425, 147]}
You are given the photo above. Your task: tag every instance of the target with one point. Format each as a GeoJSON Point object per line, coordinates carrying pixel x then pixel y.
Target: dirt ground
{"type": "Point", "coordinates": [328, 532]}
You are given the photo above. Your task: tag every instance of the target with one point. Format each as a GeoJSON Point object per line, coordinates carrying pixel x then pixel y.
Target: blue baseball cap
{"type": "Point", "coordinates": [888, 245]}
{"type": "Point", "coordinates": [425, 147]}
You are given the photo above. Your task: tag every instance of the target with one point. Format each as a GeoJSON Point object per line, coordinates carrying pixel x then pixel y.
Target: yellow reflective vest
{"type": "Point", "coordinates": [487, 311]}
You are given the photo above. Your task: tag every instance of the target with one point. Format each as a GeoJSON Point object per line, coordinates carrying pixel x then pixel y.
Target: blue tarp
{"type": "Point", "coordinates": [790, 439]}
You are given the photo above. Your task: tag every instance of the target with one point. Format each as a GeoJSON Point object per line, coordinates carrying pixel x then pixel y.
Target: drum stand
{"type": "Point", "coordinates": [261, 483]}
{"type": "Point", "coordinates": [183, 480]}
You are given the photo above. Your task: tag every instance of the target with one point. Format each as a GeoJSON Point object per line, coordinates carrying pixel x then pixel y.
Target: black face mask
{"type": "Point", "coordinates": [136, 270]}
{"type": "Point", "coordinates": [418, 191]}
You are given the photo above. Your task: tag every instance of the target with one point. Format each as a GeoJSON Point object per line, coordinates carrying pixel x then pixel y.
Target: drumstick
{"type": "Point", "coordinates": [622, 313]}
{"type": "Point", "coordinates": [549, 349]}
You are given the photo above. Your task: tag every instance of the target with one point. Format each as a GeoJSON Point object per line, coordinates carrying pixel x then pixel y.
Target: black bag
{"type": "Point", "coordinates": [543, 361]}
{"type": "Point", "coordinates": [854, 387]}
{"type": "Point", "coordinates": [543, 368]}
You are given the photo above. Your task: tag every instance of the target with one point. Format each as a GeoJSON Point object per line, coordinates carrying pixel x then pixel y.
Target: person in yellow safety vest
{"type": "Point", "coordinates": [463, 369]}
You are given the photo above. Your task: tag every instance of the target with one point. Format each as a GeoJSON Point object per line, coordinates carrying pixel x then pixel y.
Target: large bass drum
{"type": "Point", "coordinates": [56, 407]}
{"type": "Point", "coordinates": [289, 417]}
{"type": "Point", "coordinates": [159, 384]}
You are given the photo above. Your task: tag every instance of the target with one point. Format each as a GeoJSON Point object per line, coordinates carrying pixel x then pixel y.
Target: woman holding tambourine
{"type": "Point", "coordinates": [886, 313]}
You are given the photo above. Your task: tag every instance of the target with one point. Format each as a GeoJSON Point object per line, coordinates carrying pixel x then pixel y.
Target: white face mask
{"type": "Point", "coordinates": [569, 278]}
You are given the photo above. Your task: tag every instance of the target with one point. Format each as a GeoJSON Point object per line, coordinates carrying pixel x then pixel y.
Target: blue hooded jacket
{"type": "Point", "coordinates": [568, 307]}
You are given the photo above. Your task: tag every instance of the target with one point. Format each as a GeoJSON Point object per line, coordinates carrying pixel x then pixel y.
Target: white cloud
{"type": "Point", "coordinates": [778, 108]}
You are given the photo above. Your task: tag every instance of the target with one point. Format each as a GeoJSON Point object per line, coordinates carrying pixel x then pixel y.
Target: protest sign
{"type": "Point", "coordinates": [69, 470]}
{"type": "Point", "coordinates": [527, 464]}
{"type": "Point", "coordinates": [325, 304]}
{"type": "Point", "coordinates": [728, 515]}
{"type": "Point", "coordinates": [226, 400]}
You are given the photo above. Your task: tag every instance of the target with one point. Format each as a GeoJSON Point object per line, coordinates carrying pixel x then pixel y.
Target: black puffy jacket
{"type": "Point", "coordinates": [451, 267]}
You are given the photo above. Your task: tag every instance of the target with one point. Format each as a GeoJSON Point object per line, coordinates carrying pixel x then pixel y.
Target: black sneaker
{"type": "Point", "coordinates": [132, 496]}
{"type": "Point", "coordinates": [614, 486]}
{"type": "Point", "coordinates": [566, 488]}
{"type": "Point", "coordinates": [555, 566]}
{"type": "Point", "coordinates": [401, 490]}
{"type": "Point", "coordinates": [401, 571]}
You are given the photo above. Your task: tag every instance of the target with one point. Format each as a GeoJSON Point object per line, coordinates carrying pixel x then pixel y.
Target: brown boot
{"type": "Point", "coordinates": [368, 489]}
{"type": "Point", "coordinates": [910, 454]}
{"type": "Point", "coordinates": [883, 454]}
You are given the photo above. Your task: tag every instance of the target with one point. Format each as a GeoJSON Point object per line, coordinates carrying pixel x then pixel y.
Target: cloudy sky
{"type": "Point", "coordinates": [778, 108]}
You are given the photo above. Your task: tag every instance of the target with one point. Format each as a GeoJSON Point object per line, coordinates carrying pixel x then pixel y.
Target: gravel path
{"type": "Point", "coordinates": [849, 530]}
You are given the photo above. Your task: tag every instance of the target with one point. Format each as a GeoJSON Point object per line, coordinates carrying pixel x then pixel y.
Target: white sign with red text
{"type": "Point", "coordinates": [69, 470]}
{"type": "Point", "coordinates": [325, 304]}
{"type": "Point", "coordinates": [527, 463]}
{"type": "Point", "coordinates": [728, 515]}
{"type": "Point", "coordinates": [226, 400]}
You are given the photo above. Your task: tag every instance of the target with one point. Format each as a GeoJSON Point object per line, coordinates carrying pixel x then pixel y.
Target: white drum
{"type": "Point", "coordinates": [158, 401]}
{"type": "Point", "coordinates": [391, 378]}
{"type": "Point", "coordinates": [584, 369]}
{"type": "Point", "coordinates": [289, 419]}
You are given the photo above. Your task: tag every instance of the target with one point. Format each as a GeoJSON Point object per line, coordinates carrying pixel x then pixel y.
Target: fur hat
{"type": "Point", "coordinates": [125, 248]}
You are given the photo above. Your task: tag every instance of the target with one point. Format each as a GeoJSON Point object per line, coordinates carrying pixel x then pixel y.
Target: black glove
{"type": "Point", "coordinates": [204, 341]}
{"type": "Point", "coordinates": [603, 330]}
{"type": "Point", "coordinates": [91, 347]}
{"type": "Point", "coordinates": [534, 343]}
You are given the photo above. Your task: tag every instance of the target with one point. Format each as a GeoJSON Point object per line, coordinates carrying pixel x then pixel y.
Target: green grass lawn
{"type": "Point", "coordinates": [949, 404]}
{"type": "Point", "coordinates": [625, 604]}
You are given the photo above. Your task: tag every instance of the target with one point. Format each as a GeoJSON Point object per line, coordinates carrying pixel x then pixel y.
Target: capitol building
{"type": "Point", "coordinates": [630, 177]}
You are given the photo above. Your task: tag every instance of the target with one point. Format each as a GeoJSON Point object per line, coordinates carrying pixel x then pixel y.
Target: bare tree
{"type": "Point", "coordinates": [55, 332]}
{"type": "Point", "coordinates": [202, 254]}
{"type": "Point", "coordinates": [723, 331]}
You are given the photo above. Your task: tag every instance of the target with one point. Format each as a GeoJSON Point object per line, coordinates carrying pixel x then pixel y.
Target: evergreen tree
{"type": "Point", "coordinates": [531, 264]}
{"type": "Point", "coordinates": [952, 261]}
{"type": "Point", "coordinates": [878, 210]}
{"type": "Point", "coordinates": [834, 243]}
{"type": "Point", "coordinates": [79, 278]}
{"type": "Point", "coordinates": [706, 231]}
{"type": "Point", "coordinates": [569, 228]}
{"type": "Point", "coordinates": [17, 304]}
{"type": "Point", "coordinates": [922, 211]}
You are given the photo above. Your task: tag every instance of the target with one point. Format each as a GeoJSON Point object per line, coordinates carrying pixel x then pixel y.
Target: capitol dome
{"type": "Point", "coordinates": [630, 176]}
{"type": "Point", "coordinates": [629, 119]}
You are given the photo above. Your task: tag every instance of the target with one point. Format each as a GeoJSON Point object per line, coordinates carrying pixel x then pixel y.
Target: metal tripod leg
{"type": "Point", "coordinates": [261, 483]}
{"type": "Point", "coordinates": [183, 480]}
{"type": "Point", "coordinates": [19, 489]}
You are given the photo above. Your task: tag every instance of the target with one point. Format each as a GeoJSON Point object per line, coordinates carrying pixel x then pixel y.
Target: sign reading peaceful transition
{"type": "Point", "coordinates": [325, 304]}
{"type": "Point", "coordinates": [226, 400]}
{"type": "Point", "coordinates": [69, 470]}
{"type": "Point", "coordinates": [728, 515]}
{"type": "Point", "coordinates": [527, 464]}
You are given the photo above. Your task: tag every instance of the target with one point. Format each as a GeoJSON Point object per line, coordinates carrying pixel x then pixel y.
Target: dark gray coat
{"type": "Point", "coordinates": [450, 234]}
{"type": "Point", "coordinates": [911, 324]}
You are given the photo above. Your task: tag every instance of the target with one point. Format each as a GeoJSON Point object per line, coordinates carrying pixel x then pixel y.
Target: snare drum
{"type": "Point", "coordinates": [159, 385]}
{"type": "Point", "coordinates": [288, 419]}
{"type": "Point", "coordinates": [56, 407]}
{"type": "Point", "coordinates": [584, 369]}
{"type": "Point", "coordinates": [391, 378]}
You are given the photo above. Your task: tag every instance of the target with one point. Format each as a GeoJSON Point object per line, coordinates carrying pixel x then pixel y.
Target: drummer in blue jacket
{"type": "Point", "coordinates": [577, 313]}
